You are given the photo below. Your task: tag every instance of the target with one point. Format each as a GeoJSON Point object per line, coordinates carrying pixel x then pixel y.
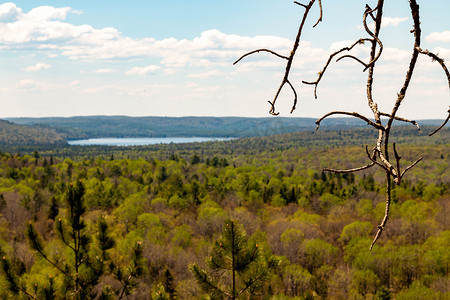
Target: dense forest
{"type": "Point", "coordinates": [123, 126]}
{"type": "Point", "coordinates": [154, 222]}
{"type": "Point", "coordinates": [19, 135]}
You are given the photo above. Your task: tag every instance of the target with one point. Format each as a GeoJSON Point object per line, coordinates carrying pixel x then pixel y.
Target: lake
{"type": "Point", "coordinates": [143, 141]}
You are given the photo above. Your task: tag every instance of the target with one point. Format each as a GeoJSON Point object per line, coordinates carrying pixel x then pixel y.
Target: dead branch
{"type": "Point", "coordinates": [315, 83]}
{"type": "Point", "coordinates": [412, 165]}
{"type": "Point", "coordinates": [412, 64]}
{"type": "Point", "coordinates": [401, 119]}
{"type": "Point", "coordinates": [261, 50]}
{"type": "Point", "coordinates": [380, 155]}
{"type": "Point", "coordinates": [443, 124]}
{"type": "Point", "coordinates": [377, 29]}
{"type": "Point", "coordinates": [295, 96]}
{"type": "Point", "coordinates": [321, 14]}
{"type": "Point", "coordinates": [434, 57]}
{"type": "Point", "coordinates": [386, 211]}
{"type": "Point", "coordinates": [375, 161]}
{"type": "Point", "coordinates": [289, 59]}
{"type": "Point", "coordinates": [397, 159]}
{"type": "Point", "coordinates": [353, 114]}
{"type": "Point", "coordinates": [336, 171]}
{"type": "Point", "coordinates": [353, 57]}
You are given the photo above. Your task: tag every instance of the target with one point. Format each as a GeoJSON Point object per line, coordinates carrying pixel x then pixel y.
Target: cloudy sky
{"type": "Point", "coordinates": [174, 58]}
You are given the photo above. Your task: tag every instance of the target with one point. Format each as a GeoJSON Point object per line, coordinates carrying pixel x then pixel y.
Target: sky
{"type": "Point", "coordinates": [175, 58]}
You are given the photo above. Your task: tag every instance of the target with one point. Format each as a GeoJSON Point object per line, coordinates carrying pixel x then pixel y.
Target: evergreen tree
{"type": "Point", "coordinates": [160, 293]}
{"type": "Point", "coordinates": [195, 159]}
{"type": "Point", "coordinates": [167, 282]}
{"type": "Point", "coordinates": [236, 267]}
{"type": "Point", "coordinates": [84, 267]}
{"type": "Point", "coordinates": [53, 211]}
{"type": "Point", "coordinates": [2, 202]}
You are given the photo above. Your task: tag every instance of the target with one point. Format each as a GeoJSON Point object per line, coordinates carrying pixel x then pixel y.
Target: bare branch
{"type": "Point", "coordinates": [386, 211]}
{"type": "Point", "coordinates": [289, 59]}
{"type": "Point", "coordinates": [401, 119]}
{"type": "Point", "coordinates": [443, 124]}
{"type": "Point", "coordinates": [354, 57]}
{"type": "Point", "coordinates": [305, 6]}
{"type": "Point", "coordinates": [353, 114]}
{"type": "Point", "coordinates": [412, 64]}
{"type": "Point", "coordinates": [397, 158]}
{"type": "Point", "coordinates": [295, 96]}
{"type": "Point", "coordinates": [321, 14]}
{"type": "Point", "coordinates": [435, 57]}
{"type": "Point", "coordinates": [373, 106]}
{"type": "Point", "coordinates": [413, 164]}
{"type": "Point", "coordinates": [375, 162]}
{"type": "Point", "coordinates": [336, 171]}
{"type": "Point", "coordinates": [374, 35]}
{"type": "Point", "coordinates": [315, 83]}
{"type": "Point", "coordinates": [260, 50]}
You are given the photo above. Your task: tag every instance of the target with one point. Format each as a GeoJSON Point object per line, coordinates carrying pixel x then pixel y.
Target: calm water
{"type": "Point", "coordinates": [142, 141]}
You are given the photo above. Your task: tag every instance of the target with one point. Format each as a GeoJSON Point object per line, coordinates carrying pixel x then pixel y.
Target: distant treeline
{"type": "Point", "coordinates": [123, 126]}
{"type": "Point", "coordinates": [329, 139]}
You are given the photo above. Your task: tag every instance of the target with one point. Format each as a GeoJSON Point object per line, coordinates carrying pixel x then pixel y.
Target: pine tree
{"type": "Point", "coordinates": [86, 265]}
{"type": "Point", "coordinates": [167, 282]}
{"type": "Point", "coordinates": [53, 211]}
{"type": "Point", "coordinates": [236, 267]}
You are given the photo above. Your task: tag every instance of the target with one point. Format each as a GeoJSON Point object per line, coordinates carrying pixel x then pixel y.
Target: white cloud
{"type": "Point", "coordinates": [9, 12]}
{"type": "Point", "coordinates": [394, 54]}
{"type": "Point", "coordinates": [37, 67]}
{"type": "Point", "coordinates": [30, 85]}
{"type": "Point", "coordinates": [143, 70]}
{"type": "Point", "coordinates": [46, 13]}
{"type": "Point", "coordinates": [104, 71]}
{"type": "Point", "coordinates": [74, 83]}
{"type": "Point", "coordinates": [438, 37]}
{"type": "Point", "coordinates": [204, 75]}
{"type": "Point", "coordinates": [394, 22]}
{"type": "Point", "coordinates": [387, 22]}
{"type": "Point", "coordinates": [44, 28]}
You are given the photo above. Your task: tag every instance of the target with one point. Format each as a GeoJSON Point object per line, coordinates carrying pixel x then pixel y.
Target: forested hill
{"type": "Point", "coordinates": [123, 126]}
{"type": "Point", "coordinates": [13, 134]}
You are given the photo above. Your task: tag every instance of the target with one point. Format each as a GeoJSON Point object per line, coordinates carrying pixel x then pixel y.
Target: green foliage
{"type": "Point", "coordinates": [236, 267]}
{"type": "Point", "coordinates": [318, 253]}
{"type": "Point", "coordinates": [320, 225]}
{"type": "Point", "coordinates": [355, 229]}
{"type": "Point", "coordinates": [160, 293]}
{"type": "Point", "coordinates": [365, 282]}
{"type": "Point", "coordinates": [420, 292]}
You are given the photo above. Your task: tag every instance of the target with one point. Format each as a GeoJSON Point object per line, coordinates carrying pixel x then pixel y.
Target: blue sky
{"type": "Point", "coordinates": [174, 58]}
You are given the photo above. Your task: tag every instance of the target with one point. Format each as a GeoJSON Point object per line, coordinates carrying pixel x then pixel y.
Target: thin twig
{"type": "Point", "coordinates": [321, 14]}
{"type": "Point", "coordinates": [374, 35]}
{"type": "Point", "coordinates": [26, 293]}
{"type": "Point", "coordinates": [295, 96]}
{"type": "Point", "coordinates": [443, 124]}
{"type": "Point", "coordinates": [290, 59]}
{"type": "Point", "coordinates": [304, 5]}
{"type": "Point", "coordinates": [315, 83]}
{"type": "Point", "coordinates": [413, 164]}
{"type": "Point", "coordinates": [386, 211]}
{"type": "Point", "coordinates": [353, 57]}
{"type": "Point", "coordinates": [353, 114]}
{"type": "Point", "coordinates": [397, 159]}
{"type": "Point", "coordinates": [261, 50]}
{"type": "Point", "coordinates": [336, 171]}
{"type": "Point", "coordinates": [435, 57]}
{"type": "Point", "coordinates": [401, 119]}
{"type": "Point", "coordinates": [375, 161]}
